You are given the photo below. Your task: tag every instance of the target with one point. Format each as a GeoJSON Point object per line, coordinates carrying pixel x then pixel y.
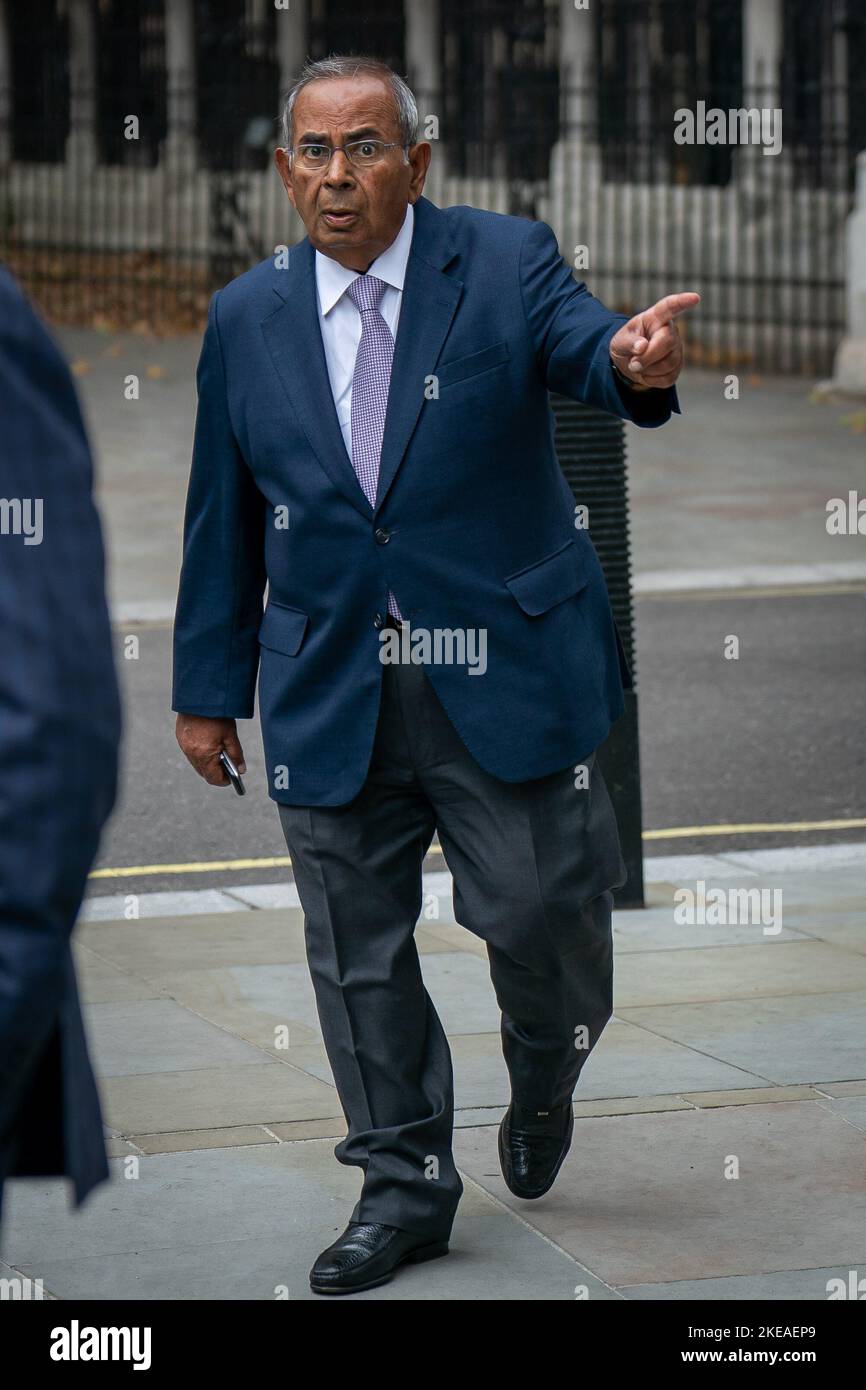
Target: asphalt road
{"type": "Point", "coordinates": [775, 736]}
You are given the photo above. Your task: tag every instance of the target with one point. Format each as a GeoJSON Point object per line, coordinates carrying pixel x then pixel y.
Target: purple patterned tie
{"type": "Point", "coordinates": [370, 389]}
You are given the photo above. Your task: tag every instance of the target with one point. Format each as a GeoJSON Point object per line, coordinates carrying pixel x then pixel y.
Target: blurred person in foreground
{"type": "Point", "coordinates": [438, 654]}
{"type": "Point", "coordinates": [59, 733]}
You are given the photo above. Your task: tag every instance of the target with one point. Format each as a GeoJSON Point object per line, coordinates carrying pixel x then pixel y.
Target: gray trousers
{"type": "Point", "coordinates": [533, 864]}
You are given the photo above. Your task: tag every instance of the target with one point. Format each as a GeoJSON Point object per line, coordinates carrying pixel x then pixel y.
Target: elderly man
{"type": "Point", "coordinates": [374, 440]}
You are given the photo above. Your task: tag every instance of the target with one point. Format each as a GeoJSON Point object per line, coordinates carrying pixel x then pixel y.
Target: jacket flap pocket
{"type": "Point", "coordinates": [462, 368]}
{"type": "Point", "coordinates": [282, 629]}
{"type": "Point", "coordinates": [548, 581]}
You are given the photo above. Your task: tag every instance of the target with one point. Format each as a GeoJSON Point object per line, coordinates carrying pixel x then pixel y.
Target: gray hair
{"type": "Point", "coordinates": [343, 65]}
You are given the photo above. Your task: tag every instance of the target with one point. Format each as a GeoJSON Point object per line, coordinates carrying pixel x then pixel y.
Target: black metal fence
{"type": "Point", "coordinates": [135, 227]}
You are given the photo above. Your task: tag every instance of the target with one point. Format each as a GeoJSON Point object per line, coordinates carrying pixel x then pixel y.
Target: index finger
{"type": "Point", "coordinates": [674, 304]}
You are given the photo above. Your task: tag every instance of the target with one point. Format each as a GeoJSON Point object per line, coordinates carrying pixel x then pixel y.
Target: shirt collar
{"type": "Point", "coordinates": [333, 279]}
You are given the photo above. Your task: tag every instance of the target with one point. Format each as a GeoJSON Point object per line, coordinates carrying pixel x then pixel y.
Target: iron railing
{"type": "Point", "coordinates": [118, 231]}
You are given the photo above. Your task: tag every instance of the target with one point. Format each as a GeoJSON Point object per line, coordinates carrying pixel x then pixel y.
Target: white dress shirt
{"type": "Point", "coordinates": [340, 321]}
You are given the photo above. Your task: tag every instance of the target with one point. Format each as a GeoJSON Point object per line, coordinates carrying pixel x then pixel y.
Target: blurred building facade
{"type": "Point", "coordinates": [136, 140]}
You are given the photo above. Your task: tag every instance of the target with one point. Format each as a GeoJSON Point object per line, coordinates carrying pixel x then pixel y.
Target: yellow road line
{"type": "Point", "coordinates": [677, 832]}
{"type": "Point", "coordinates": [685, 832]}
{"type": "Point", "coordinates": [207, 867]}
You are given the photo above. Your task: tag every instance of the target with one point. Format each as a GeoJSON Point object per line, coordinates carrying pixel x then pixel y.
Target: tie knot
{"type": "Point", "coordinates": [365, 292]}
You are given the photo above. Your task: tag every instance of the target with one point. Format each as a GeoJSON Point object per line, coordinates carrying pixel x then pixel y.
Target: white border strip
{"type": "Point", "coordinates": [664, 868]}
{"type": "Point", "coordinates": [748, 577]}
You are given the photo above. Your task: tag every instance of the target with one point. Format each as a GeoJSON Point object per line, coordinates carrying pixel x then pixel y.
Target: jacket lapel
{"type": "Point", "coordinates": [427, 309]}
{"type": "Point", "coordinates": [294, 341]}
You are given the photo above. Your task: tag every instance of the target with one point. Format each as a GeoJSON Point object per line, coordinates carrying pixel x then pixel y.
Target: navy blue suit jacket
{"type": "Point", "coordinates": [473, 526]}
{"type": "Point", "coordinates": [59, 731]}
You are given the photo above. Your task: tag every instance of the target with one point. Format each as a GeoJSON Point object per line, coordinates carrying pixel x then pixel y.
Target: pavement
{"type": "Point", "coordinates": [720, 1145]}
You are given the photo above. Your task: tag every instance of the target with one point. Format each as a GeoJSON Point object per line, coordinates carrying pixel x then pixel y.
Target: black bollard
{"type": "Point", "coordinates": [590, 445]}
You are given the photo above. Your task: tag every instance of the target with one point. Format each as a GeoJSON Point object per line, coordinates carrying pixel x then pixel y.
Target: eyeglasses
{"type": "Point", "coordinates": [361, 153]}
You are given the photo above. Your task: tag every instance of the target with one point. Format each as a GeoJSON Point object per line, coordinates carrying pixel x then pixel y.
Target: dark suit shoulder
{"type": "Point", "coordinates": [484, 245]}
{"type": "Point", "coordinates": [256, 290]}
{"type": "Point", "coordinates": [497, 228]}
{"type": "Point", "coordinates": [488, 245]}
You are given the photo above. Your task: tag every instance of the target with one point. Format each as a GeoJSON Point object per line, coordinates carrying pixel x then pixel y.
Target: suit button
{"type": "Point", "coordinates": [382, 536]}
{"type": "Point", "coordinates": [378, 621]}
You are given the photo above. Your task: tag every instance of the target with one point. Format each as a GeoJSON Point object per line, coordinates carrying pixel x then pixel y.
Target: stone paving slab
{"type": "Point", "coordinates": [292, 1131]}
{"type": "Point", "coordinates": [843, 1088]}
{"type": "Point", "coordinates": [491, 1115]}
{"type": "Point", "coordinates": [643, 1198]}
{"type": "Point", "coordinates": [850, 906]}
{"type": "Point", "coordinates": [229, 998]}
{"type": "Point", "coordinates": [655, 930]}
{"type": "Point", "coordinates": [267, 895]}
{"type": "Point", "coordinates": [665, 873]}
{"type": "Point", "coordinates": [185, 1141]}
{"type": "Point", "coordinates": [144, 1036]}
{"type": "Point", "coordinates": [817, 886]}
{"type": "Point", "coordinates": [161, 945]}
{"type": "Point", "coordinates": [259, 1094]}
{"type": "Point", "coordinates": [31, 1291]}
{"type": "Point", "coordinates": [102, 982]}
{"type": "Point", "coordinates": [628, 1105]}
{"type": "Point", "coordinates": [788, 1285]}
{"type": "Point", "coordinates": [241, 1224]}
{"type": "Point", "coordinates": [797, 858]}
{"type": "Point", "coordinates": [455, 938]}
{"type": "Point", "coordinates": [852, 1109]}
{"type": "Point", "coordinates": [430, 941]}
{"type": "Point", "coordinates": [459, 985]}
{"type": "Point", "coordinates": [261, 996]}
{"type": "Point", "coordinates": [119, 1148]}
{"type": "Point", "coordinates": [794, 1038]}
{"type": "Point", "coordinates": [732, 972]}
{"type": "Point", "coordinates": [633, 1060]}
{"type": "Point", "coordinates": [480, 1074]}
{"type": "Point", "coordinates": [845, 931]}
{"type": "Point", "coordinates": [171, 904]}
{"type": "Point", "coordinates": [712, 1100]}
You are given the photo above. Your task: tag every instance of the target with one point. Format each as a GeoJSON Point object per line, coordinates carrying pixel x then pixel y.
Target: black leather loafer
{"type": "Point", "coordinates": [532, 1148]}
{"type": "Point", "coordinates": [367, 1254]}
